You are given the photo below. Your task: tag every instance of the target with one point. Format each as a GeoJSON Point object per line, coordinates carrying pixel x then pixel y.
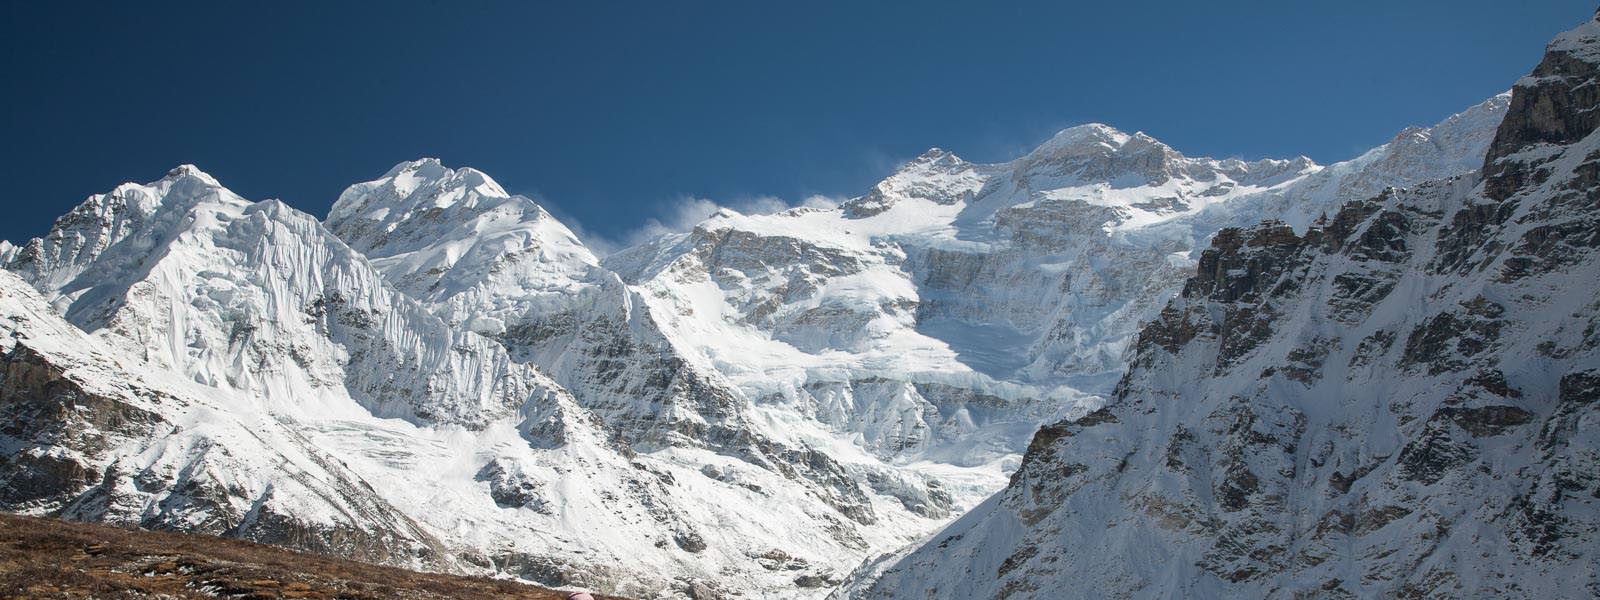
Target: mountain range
{"type": "Point", "coordinates": [1104, 365]}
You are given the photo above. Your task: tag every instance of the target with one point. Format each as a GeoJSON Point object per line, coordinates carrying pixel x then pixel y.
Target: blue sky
{"type": "Point", "coordinates": [615, 113]}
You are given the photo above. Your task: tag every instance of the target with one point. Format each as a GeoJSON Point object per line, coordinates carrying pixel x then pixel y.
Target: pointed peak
{"type": "Point", "coordinates": [1095, 139]}
{"type": "Point", "coordinates": [190, 171]}
{"type": "Point", "coordinates": [1080, 140]}
{"type": "Point", "coordinates": [426, 168]}
{"type": "Point", "coordinates": [473, 178]}
{"type": "Point", "coordinates": [411, 175]}
{"type": "Point", "coordinates": [1088, 133]}
{"type": "Point", "coordinates": [935, 157]}
{"type": "Point", "coordinates": [934, 154]}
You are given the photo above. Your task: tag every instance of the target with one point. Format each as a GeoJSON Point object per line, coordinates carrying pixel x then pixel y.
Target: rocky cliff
{"type": "Point", "coordinates": [1389, 403]}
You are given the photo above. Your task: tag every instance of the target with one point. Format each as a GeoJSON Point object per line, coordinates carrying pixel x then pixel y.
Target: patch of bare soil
{"type": "Point", "coordinates": [46, 558]}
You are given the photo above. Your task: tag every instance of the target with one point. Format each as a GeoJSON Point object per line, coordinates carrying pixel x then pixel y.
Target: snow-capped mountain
{"type": "Point", "coordinates": [502, 266]}
{"type": "Point", "coordinates": [258, 297]}
{"type": "Point", "coordinates": [269, 309]}
{"type": "Point", "coordinates": [261, 305]}
{"type": "Point", "coordinates": [945, 313]}
{"type": "Point", "coordinates": [442, 375]}
{"type": "Point", "coordinates": [552, 305]}
{"type": "Point", "coordinates": [1395, 402]}
{"type": "Point", "coordinates": [92, 435]}
{"type": "Point", "coordinates": [458, 240]}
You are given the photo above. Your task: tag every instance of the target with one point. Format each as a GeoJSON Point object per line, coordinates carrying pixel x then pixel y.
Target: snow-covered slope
{"type": "Point", "coordinates": [263, 306]}
{"type": "Point", "coordinates": [92, 435]}
{"type": "Point", "coordinates": [457, 239]}
{"type": "Point", "coordinates": [1451, 147]}
{"type": "Point", "coordinates": [258, 297]}
{"type": "Point", "coordinates": [758, 404]}
{"type": "Point", "coordinates": [956, 305]}
{"type": "Point", "coordinates": [1396, 402]}
{"type": "Point", "coordinates": [499, 264]}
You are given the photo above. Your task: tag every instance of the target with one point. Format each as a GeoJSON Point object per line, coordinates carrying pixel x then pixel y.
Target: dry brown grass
{"type": "Point", "coordinates": [45, 558]}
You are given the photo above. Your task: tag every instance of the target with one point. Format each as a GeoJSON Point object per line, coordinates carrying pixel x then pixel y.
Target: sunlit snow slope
{"type": "Point", "coordinates": [442, 374]}
{"type": "Point", "coordinates": [1398, 401]}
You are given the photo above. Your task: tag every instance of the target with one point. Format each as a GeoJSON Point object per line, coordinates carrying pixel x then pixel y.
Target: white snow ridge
{"type": "Point", "coordinates": [1103, 368]}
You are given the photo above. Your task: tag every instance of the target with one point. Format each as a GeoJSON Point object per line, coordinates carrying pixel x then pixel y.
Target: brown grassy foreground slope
{"type": "Point", "coordinates": [45, 558]}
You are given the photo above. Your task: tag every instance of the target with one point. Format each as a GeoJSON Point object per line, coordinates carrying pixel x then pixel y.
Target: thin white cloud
{"type": "Point", "coordinates": [679, 216]}
{"type": "Point", "coordinates": [684, 213]}
{"type": "Point", "coordinates": [822, 202]}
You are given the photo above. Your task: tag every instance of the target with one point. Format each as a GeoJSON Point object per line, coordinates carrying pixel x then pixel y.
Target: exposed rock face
{"type": "Point", "coordinates": [1385, 405]}
{"type": "Point", "coordinates": [1552, 107]}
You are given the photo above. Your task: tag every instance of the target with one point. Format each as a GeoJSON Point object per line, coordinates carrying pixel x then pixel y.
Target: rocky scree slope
{"type": "Point", "coordinates": [1398, 401]}
{"type": "Point", "coordinates": [48, 559]}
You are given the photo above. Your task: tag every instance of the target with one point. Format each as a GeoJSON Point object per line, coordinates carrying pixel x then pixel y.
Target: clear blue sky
{"type": "Point", "coordinates": [612, 112]}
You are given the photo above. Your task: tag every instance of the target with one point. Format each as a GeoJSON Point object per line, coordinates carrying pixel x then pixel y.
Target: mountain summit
{"type": "Point", "coordinates": [1390, 402]}
{"type": "Point", "coordinates": [1102, 365]}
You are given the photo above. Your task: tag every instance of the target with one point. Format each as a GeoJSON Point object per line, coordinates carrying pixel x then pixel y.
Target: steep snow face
{"type": "Point", "coordinates": [300, 337]}
{"type": "Point", "coordinates": [601, 341]}
{"type": "Point", "coordinates": [104, 220]}
{"type": "Point", "coordinates": [257, 297]}
{"type": "Point", "coordinates": [769, 307]}
{"type": "Point", "coordinates": [955, 305]}
{"type": "Point", "coordinates": [502, 266]}
{"type": "Point", "coordinates": [456, 239]}
{"type": "Point", "coordinates": [1397, 402]}
{"type": "Point", "coordinates": [92, 435]}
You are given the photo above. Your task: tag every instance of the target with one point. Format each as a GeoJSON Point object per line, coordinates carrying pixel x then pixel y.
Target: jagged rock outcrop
{"type": "Point", "coordinates": [1387, 404]}
{"type": "Point", "coordinates": [1553, 107]}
